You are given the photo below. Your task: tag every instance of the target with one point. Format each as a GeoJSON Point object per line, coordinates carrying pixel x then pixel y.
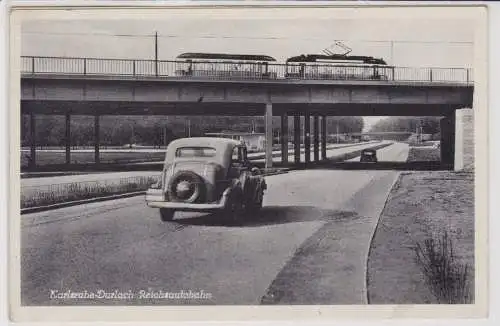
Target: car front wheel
{"type": "Point", "coordinates": [256, 205]}
{"type": "Point", "coordinates": [233, 212]}
{"type": "Point", "coordinates": [166, 214]}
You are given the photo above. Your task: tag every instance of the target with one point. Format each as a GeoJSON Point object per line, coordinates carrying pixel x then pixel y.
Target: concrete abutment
{"type": "Point", "coordinates": [457, 139]}
{"type": "Point", "coordinates": [464, 139]}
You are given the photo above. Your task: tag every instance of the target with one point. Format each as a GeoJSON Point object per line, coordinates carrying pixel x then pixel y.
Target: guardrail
{"type": "Point", "coordinates": [238, 71]}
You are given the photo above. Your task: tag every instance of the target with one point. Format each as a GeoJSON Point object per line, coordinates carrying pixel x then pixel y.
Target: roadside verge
{"type": "Point", "coordinates": [330, 266]}
{"type": "Point", "coordinates": [422, 251]}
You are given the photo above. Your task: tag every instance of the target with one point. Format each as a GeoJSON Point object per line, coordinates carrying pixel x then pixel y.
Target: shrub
{"type": "Point", "coordinates": [447, 277]}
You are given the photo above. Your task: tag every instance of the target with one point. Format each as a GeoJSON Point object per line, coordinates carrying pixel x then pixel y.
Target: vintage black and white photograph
{"type": "Point", "coordinates": [261, 157]}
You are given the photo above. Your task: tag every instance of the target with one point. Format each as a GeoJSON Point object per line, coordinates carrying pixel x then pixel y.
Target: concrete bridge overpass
{"type": "Point", "coordinates": [59, 88]}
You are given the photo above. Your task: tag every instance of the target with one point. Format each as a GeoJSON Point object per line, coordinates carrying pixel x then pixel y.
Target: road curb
{"type": "Point", "coordinates": [37, 209]}
{"type": "Point", "coordinates": [372, 237]}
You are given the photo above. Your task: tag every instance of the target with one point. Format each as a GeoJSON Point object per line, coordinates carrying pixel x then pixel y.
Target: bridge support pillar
{"type": "Point", "coordinates": [316, 137]}
{"type": "Point", "coordinates": [97, 139]}
{"type": "Point", "coordinates": [464, 139]}
{"type": "Point", "coordinates": [447, 126]}
{"type": "Point", "coordinates": [269, 135]}
{"type": "Point", "coordinates": [67, 138]}
{"type": "Point", "coordinates": [296, 138]}
{"type": "Point", "coordinates": [307, 137]}
{"type": "Point", "coordinates": [284, 139]}
{"type": "Point", "coordinates": [32, 159]}
{"type": "Point", "coordinates": [323, 137]}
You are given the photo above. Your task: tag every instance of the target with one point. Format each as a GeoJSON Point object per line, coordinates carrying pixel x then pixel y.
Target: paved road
{"type": "Point", "coordinates": [329, 153]}
{"type": "Point", "coordinates": [398, 152]}
{"type": "Point", "coordinates": [122, 245]}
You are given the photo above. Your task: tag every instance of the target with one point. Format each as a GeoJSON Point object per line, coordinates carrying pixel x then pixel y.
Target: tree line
{"type": "Point", "coordinates": [157, 130]}
{"type": "Point", "coordinates": [426, 125]}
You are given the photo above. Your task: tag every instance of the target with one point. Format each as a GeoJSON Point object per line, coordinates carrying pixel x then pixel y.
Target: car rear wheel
{"type": "Point", "coordinates": [166, 214]}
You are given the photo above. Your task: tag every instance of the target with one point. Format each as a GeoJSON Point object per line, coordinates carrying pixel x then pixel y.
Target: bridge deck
{"type": "Point", "coordinates": [278, 81]}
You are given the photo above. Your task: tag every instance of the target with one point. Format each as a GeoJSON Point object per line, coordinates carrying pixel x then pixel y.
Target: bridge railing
{"type": "Point", "coordinates": [231, 71]}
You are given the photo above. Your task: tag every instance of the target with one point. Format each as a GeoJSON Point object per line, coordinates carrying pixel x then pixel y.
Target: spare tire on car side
{"type": "Point", "coordinates": [195, 191]}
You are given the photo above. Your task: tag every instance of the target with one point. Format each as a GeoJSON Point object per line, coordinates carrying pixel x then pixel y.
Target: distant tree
{"type": "Point", "coordinates": [430, 125]}
{"type": "Point", "coordinates": [120, 130]}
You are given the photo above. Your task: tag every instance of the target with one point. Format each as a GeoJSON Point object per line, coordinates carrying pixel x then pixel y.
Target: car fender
{"type": "Point", "coordinates": [258, 187]}
{"type": "Point", "coordinates": [236, 187]}
{"type": "Point", "coordinates": [234, 191]}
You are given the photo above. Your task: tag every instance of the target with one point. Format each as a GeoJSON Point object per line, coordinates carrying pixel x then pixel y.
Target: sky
{"type": "Point", "coordinates": [401, 42]}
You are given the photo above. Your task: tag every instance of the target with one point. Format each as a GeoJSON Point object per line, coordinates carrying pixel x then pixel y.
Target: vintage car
{"type": "Point", "coordinates": [368, 155]}
{"type": "Point", "coordinates": [207, 174]}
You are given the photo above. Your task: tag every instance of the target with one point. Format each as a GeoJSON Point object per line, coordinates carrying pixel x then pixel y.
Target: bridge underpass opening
{"type": "Point", "coordinates": [292, 142]}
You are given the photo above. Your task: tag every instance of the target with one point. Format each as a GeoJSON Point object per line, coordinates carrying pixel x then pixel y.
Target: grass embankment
{"type": "Point", "coordinates": [423, 248]}
{"type": "Point", "coordinates": [68, 192]}
{"type": "Point", "coordinates": [424, 153]}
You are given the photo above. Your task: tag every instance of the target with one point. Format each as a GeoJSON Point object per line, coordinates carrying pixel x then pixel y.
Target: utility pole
{"type": "Point", "coordinates": [392, 53]}
{"type": "Point", "coordinates": [156, 53]}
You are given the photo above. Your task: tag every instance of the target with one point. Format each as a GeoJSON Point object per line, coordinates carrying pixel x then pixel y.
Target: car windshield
{"type": "Point", "coordinates": [239, 155]}
{"type": "Point", "coordinates": [195, 152]}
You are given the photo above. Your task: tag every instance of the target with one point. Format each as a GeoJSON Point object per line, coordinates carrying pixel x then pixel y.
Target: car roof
{"type": "Point", "coordinates": [223, 148]}
{"type": "Point", "coordinates": [204, 142]}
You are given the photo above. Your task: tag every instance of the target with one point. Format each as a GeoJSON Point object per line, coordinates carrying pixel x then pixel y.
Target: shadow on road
{"type": "Point", "coordinates": [270, 215]}
{"type": "Point", "coordinates": [400, 166]}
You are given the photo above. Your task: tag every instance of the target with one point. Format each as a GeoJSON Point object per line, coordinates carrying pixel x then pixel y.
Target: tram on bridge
{"type": "Point", "coordinates": [221, 65]}
{"type": "Point", "coordinates": [337, 67]}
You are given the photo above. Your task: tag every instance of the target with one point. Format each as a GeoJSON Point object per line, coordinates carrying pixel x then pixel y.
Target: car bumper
{"type": "Point", "coordinates": [156, 199]}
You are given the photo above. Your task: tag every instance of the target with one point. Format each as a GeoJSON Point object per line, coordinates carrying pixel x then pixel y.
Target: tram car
{"type": "Point", "coordinates": [337, 67]}
{"type": "Point", "coordinates": [224, 66]}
